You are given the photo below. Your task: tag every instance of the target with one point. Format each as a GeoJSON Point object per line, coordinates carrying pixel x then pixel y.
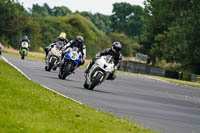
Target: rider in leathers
{"type": "Point", "coordinates": [78, 42]}
{"type": "Point", "coordinates": [60, 42]}
{"type": "Point", "coordinates": [25, 39]}
{"type": "Point", "coordinates": [114, 52]}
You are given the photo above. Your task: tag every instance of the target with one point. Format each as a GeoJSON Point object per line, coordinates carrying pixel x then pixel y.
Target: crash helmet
{"type": "Point", "coordinates": [116, 47]}
{"type": "Point", "coordinates": [25, 37]}
{"type": "Point", "coordinates": [62, 35]}
{"type": "Point", "coordinates": [79, 40]}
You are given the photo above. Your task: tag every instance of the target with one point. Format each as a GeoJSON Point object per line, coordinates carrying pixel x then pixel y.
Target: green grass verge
{"type": "Point", "coordinates": [26, 107]}
{"type": "Point", "coordinates": [181, 82]}
{"type": "Point", "coordinates": [29, 57]}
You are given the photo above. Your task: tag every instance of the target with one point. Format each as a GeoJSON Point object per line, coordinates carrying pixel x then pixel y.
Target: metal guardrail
{"type": "Point", "coordinates": [193, 77]}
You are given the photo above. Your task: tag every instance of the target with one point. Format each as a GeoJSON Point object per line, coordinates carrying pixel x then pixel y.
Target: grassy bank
{"type": "Point", "coordinates": [36, 56]}
{"type": "Point", "coordinates": [181, 82]}
{"type": "Point", "coordinates": [26, 107]}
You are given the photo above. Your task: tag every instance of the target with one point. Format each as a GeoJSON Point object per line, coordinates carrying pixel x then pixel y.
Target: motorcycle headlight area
{"type": "Point", "coordinates": [67, 56]}
{"type": "Point", "coordinates": [74, 55]}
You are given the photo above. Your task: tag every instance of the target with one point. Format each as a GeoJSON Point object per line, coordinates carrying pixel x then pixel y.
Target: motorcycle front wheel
{"type": "Point", "coordinates": [66, 70]}
{"type": "Point", "coordinates": [96, 80]}
{"type": "Point", "coordinates": [23, 55]}
{"type": "Point", "coordinates": [51, 64]}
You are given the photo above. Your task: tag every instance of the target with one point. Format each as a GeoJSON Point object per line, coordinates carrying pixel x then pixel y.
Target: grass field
{"type": "Point", "coordinates": [181, 82]}
{"type": "Point", "coordinates": [36, 56]}
{"type": "Point", "coordinates": [26, 107]}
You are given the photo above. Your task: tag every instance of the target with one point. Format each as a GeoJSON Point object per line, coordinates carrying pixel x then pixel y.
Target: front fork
{"type": "Point", "coordinates": [94, 75]}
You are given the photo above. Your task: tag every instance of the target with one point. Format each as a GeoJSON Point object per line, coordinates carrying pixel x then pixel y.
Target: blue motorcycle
{"type": "Point", "coordinates": [69, 62]}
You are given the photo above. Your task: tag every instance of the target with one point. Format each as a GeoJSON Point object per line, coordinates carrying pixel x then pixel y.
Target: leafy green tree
{"type": "Point", "coordinates": [45, 10]}
{"type": "Point", "coordinates": [102, 22]}
{"type": "Point", "coordinates": [129, 46]}
{"type": "Point", "coordinates": [15, 22]}
{"type": "Point", "coordinates": [73, 25]}
{"type": "Point", "coordinates": [40, 11]}
{"type": "Point", "coordinates": [172, 32]}
{"type": "Point", "coordinates": [127, 18]}
{"type": "Point", "coordinates": [60, 11]}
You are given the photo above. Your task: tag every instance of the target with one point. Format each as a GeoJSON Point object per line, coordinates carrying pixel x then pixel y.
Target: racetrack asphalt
{"type": "Point", "coordinates": [159, 105]}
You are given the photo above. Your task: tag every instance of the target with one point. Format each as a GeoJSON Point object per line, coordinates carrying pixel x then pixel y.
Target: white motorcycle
{"type": "Point", "coordinates": [53, 59]}
{"type": "Point", "coordinates": [99, 72]}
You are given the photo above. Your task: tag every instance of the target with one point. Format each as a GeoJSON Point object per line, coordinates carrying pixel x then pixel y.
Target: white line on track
{"type": "Point", "coordinates": [40, 84]}
{"type": "Point", "coordinates": [15, 67]}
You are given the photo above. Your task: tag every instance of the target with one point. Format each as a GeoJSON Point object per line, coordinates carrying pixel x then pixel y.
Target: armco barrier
{"type": "Point", "coordinates": [193, 77]}
{"type": "Point", "coordinates": [136, 67]}
{"type": "Point", "coordinates": [171, 74]}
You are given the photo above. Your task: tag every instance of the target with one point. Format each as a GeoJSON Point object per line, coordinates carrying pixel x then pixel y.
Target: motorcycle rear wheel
{"type": "Point", "coordinates": [51, 64]}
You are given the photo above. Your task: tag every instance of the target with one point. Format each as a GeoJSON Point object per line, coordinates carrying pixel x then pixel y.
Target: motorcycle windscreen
{"type": "Point", "coordinates": [109, 59]}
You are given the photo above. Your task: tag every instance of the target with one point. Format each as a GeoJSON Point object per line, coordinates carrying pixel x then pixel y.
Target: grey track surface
{"type": "Point", "coordinates": [162, 106]}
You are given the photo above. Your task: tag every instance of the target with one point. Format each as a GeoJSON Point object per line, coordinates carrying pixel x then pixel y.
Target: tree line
{"type": "Point", "coordinates": [172, 32]}
{"type": "Point", "coordinates": [43, 24]}
{"type": "Point", "coordinates": [164, 30]}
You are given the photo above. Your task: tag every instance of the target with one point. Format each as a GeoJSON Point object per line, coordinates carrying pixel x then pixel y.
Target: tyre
{"type": "Point", "coordinates": [66, 70]}
{"type": "Point", "coordinates": [54, 68]}
{"type": "Point", "coordinates": [60, 77]}
{"type": "Point", "coordinates": [96, 80]}
{"type": "Point", "coordinates": [51, 64]}
{"type": "Point", "coordinates": [23, 55]}
{"type": "Point", "coordinates": [45, 68]}
{"type": "Point", "coordinates": [86, 86]}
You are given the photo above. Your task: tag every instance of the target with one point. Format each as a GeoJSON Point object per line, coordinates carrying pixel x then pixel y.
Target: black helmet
{"type": "Point", "coordinates": [116, 47]}
{"type": "Point", "coordinates": [79, 39]}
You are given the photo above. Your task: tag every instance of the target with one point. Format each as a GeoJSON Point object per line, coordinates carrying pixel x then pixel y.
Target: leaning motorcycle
{"type": "Point", "coordinates": [69, 62]}
{"type": "Point", "coordinates": [23, 51]}
{"type": "Point", "coordinates": [53, 59]}
{"type": "Point", "coordinates": [99, 72]}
